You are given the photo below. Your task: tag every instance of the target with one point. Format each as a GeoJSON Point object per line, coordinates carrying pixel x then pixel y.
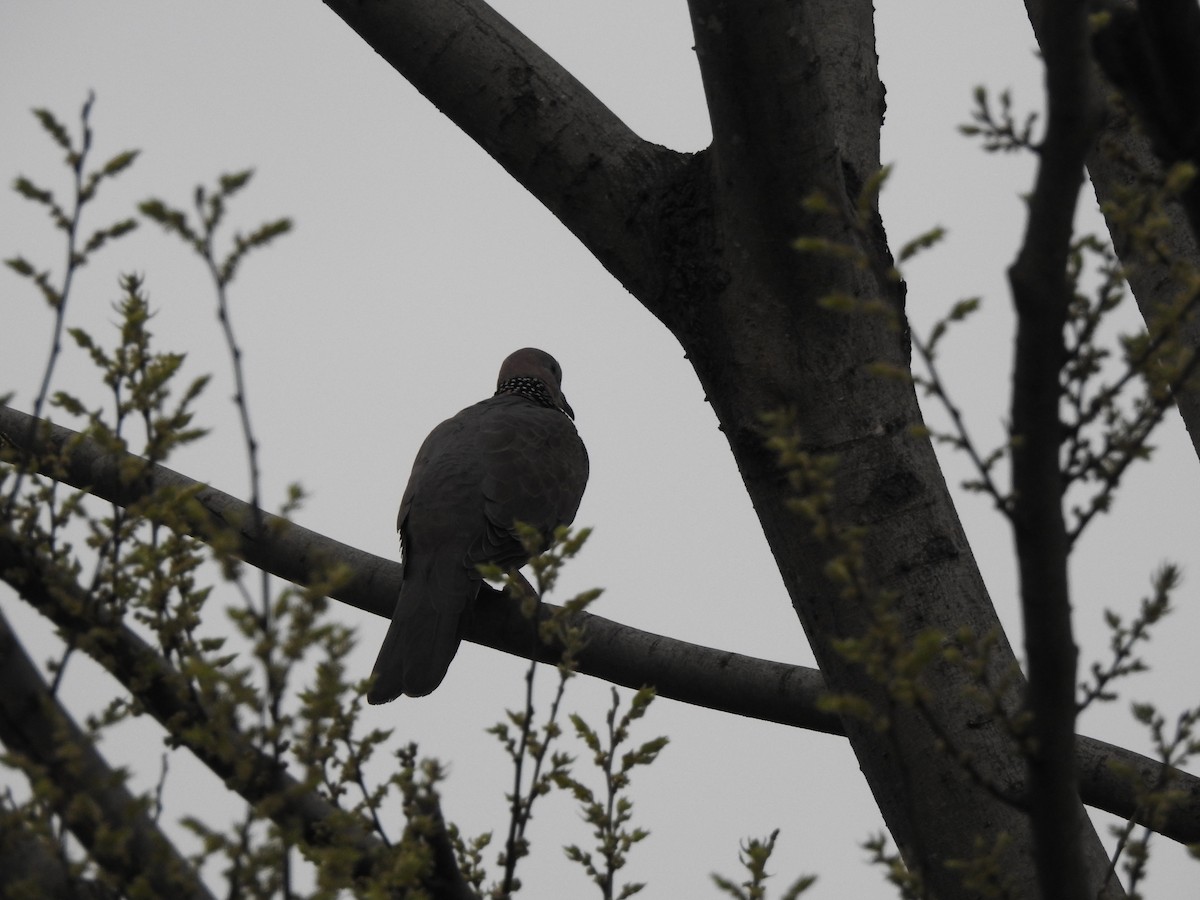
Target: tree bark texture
{"type": "Point", "coordinates": [704, 242]}
{"type": "Point", "coordinates": [1123, 158]}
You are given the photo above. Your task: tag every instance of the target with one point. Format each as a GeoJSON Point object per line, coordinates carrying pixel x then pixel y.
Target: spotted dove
{"type": "Point", "coordinates": [514, 457]}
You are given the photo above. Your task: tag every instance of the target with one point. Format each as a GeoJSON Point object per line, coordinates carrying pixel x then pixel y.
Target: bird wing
{"type": "Point", "coordinates": [503, 460]}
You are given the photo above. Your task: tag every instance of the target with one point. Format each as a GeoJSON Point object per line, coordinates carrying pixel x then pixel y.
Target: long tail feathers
{"type": "Point", "coordinates": [421, 641]}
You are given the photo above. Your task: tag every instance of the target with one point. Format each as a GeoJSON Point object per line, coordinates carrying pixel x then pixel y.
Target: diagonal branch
{"type": "Point", "coordinates": [164, 693]}
{"type": "Point", "coordinates": [536, 120]}
{"type": "Point", "coordinates": [31, 864]}
{"type": "Point", "coordinates": [1151, 52]}
{"type": "Point", "coordinates": [1123, 160]}
{"type": "Point", "coordinates": [702, 676]}
{"type": "Point", "coordinates": [89, 796]}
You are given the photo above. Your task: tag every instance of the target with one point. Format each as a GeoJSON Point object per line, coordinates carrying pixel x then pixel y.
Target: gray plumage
{"type": "Point", "coordinates": [514, 457]}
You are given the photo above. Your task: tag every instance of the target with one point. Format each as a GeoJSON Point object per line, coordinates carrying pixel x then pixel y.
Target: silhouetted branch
{"type": "Point", "coordinates": [536, 120]}
{"type": "Point", "coordinates": [112, 824]}
{"type": "Point", "coordinates": [1042, 293]}
{"type": "Point", "coordinates": [690, 673]}
{"type": "Point", "coordinates": [1122, 163]}
{"type": "Point", "coordinates": [30, 864]}
{"type": "Point", "coordinates": [1151, 51]}
{"type": "Point", "coordinates": [163, 692]}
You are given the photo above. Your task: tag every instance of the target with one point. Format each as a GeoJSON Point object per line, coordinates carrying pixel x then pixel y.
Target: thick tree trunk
{"type": "Point", "coordinates": [796, 107]}
{"type": "Point", "coordinates": [705, 243]}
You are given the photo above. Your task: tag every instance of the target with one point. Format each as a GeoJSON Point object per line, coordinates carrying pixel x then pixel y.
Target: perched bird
{"type": "Point", "coordinates": [514, 457]}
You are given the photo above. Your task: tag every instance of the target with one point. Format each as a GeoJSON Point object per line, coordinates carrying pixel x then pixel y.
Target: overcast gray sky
{"type": "Point", "coordinates": [417, 265]}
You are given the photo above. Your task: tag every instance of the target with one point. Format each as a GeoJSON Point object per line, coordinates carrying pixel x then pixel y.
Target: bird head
{"type": "Point", "coordinates": [528, 365]}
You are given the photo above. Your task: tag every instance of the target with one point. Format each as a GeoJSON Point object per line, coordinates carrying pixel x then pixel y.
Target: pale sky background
{"type": "Point", "coordinates": [417, 264]}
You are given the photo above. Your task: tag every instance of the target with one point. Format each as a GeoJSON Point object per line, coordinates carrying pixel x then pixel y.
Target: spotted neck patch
{"type": "Point", "coordinates": [530, 388]}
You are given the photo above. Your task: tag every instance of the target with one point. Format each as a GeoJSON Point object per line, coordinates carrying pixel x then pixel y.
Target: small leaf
{"type": "Point", "coordinates": [21, 266]}
{"type": "Point", "coordinates": [120, 162]}
{"type": "Point", "coordinates": [31, 191]}
{"type": "Point", "coordinates": [964, 308]}
{"type": "Point", "coordinates": [101, 237]}
{"type": "Point", "coordinates": [922, 242]}
{"type": "Point", "coordinates": [817, 203]}
{"type": "Point", "coordinates": [1179, 176]}
{"type": "Point", "coordinates": [231, 184]}
{"type": "Point", "coordinates": [890, 371]}
{"type": "Point", "coordinates": [54, 128]}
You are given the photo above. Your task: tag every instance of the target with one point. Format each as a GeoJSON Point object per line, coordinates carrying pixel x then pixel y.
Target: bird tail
{"type": "Point", "coordinates": [421, 640]}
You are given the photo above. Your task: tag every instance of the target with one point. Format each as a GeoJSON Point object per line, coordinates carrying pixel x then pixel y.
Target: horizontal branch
{"type": "Point", "coordinates": [702, 676]}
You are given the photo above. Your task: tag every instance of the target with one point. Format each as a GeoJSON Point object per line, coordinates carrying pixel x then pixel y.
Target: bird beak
{"type": "Point", "coordinates": [566, 407]}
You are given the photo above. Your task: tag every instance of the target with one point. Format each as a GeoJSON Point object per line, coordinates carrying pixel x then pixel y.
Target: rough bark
{"type": "Point", "coordinates": [761, 340]}
{"type": "Point", "coordinates": [705, 244]}
{"type": "Point", "coordinates": [1123, 159]}
{"type": "Point", "coordinates": [1151, 52]}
